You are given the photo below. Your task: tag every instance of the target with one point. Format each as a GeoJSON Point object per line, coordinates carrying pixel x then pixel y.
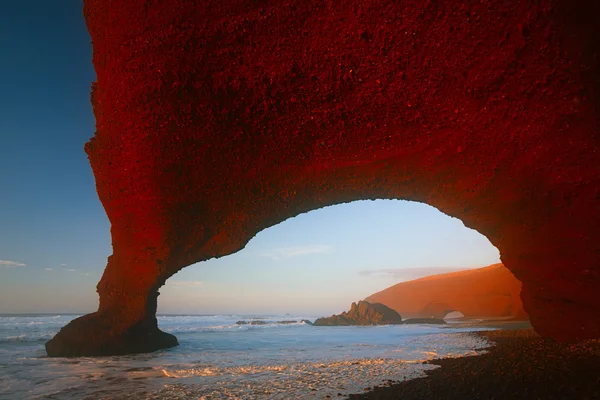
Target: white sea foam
{"type": "Point", "coordinates": [218, 359]}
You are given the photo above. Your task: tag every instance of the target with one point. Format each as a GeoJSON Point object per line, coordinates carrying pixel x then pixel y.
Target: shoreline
{"type": "Point", "coordinates": [519, 364]}
{"type": "Point", "coordinates": [499, 324]}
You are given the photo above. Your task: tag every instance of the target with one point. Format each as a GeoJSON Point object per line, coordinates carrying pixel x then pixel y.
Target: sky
{"type": "Point", "coordinates": [55, 236]}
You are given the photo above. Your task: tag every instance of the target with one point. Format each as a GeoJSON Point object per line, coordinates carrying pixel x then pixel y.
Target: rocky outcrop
{"type": "Point", "coordinates": [215, 120]}
{"type": "Point", "coordinates": [490, 292]}
{"type": "Point", "coordinates": [95, 335]}
{"type": "Point", "coordinates": [255, 322]}
{"type": "Point", "coordinates": [363, 313]}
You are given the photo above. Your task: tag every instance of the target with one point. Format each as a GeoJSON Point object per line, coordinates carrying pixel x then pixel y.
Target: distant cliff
{"type": "Point", "coordinates": [363, 313]}
{"type": "Point", "coordinates": [489, 292]}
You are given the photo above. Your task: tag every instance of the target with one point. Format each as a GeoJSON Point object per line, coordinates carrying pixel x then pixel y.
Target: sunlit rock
{"type": "Point", "coordinates": [490, 292]}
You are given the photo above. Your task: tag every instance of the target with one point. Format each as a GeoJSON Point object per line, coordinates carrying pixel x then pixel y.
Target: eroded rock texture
{"type": "Point", "coordinates": [362, 313]}
{"type": "Point", "coordinates": [490, 292]}
{"type": "Point", "coordinates": [217, 119]}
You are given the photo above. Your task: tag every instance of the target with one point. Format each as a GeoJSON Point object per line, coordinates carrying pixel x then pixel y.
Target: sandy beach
{"type": "Point", "coordinates": [519, 365]}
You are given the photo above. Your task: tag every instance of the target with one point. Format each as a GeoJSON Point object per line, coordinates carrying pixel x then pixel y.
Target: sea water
{"type": "Point", "coordinates": [219, 359]}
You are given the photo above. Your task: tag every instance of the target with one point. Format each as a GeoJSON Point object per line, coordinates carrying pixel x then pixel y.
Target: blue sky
{"type": "Point", "coordinates": [54, 234]}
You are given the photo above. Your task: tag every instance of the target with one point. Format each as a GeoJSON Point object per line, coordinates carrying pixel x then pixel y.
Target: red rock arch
{"type": "Point", "coordinates": [217, 119]}
{"type": "Point", "coordinates": [488, 292]}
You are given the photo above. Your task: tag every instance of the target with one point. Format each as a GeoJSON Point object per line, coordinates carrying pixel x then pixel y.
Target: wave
{"type": "Point", "coordinates": [196, 316]}
{"type": "Point", "coordinates": [191, 329]}
{"type": "Point", "coordinates": [235, 327]}
{"type": "Point", "coordinates": [217, 371]}
{"type": "Point", "coordinates": [25, 338]}
{"type": "Point", "coordinates": [36, 316]}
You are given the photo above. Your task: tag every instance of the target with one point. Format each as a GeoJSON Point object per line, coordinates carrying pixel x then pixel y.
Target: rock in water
{"type": "Point", "coordinates": [363, 313]}
{"type": "Point", "coordinates": [96, 335]}
{"type": "Point", "coordinates": [255, 322]}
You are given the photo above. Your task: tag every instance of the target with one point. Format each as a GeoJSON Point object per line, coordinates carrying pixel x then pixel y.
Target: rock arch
{"type": "Point", "coordinates": [454, 315]}
{"type": "Point", "coordinates": [488, 292]}
{"type": "Point", "coordinates": [217, 119]}
{"type": "Point", "coordinates": [437, 310]}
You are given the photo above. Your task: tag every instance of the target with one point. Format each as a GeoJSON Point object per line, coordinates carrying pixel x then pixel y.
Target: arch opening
{"type": "Point", "coordinates": [320, 262]}
{"type": "Point", "coordinates": [453, 315]}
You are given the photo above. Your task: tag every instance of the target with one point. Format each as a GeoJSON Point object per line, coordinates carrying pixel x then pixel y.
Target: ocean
{"type": "Point", "coordinates": [218, 359]}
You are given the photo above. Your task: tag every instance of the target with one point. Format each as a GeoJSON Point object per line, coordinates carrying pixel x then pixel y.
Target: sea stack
{"type": "Point", "coordinates": [363, 313]}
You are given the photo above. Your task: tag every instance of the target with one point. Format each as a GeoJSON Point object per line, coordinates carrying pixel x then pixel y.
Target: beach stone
{"type": "Point", "coordinates": [216, 120]}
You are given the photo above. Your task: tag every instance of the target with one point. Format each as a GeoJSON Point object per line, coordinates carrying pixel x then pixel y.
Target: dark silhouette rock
{"type": "Point", "coordinates": [254, 322]}
{"type": "Point", "coordinates": [216, 120]}
{"type": "Point", "coordinates": [78, 339]}
{"type": "Point", "coordinates": [307, 322]}
{"type": "Point", "coordinates": [363, 313]}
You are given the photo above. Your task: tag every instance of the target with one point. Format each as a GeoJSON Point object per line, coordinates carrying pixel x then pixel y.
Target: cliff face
{"type": "Point", "coordinates": [363, 313]}
{"type": "Point", "coordinates": [217, 119]}
{"type": "Point", "coordinates": [489, 292]}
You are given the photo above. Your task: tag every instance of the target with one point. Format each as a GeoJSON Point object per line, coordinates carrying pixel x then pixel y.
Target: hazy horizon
{"type": "Point", "coordinates": [314, 264]}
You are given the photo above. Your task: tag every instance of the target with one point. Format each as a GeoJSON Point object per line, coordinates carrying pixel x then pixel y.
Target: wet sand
{"type": "Point", "coordinates": [518, 365]}
{"type": "Point", "coordinates": [498, 323]}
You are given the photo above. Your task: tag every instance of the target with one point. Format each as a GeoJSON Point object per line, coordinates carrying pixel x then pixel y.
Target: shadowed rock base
{"type": "Point", "coordinates": [97, 335]}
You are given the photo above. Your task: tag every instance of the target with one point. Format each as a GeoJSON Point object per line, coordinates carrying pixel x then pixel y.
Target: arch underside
{"type": "Point", "coordinates": [220, 119]}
